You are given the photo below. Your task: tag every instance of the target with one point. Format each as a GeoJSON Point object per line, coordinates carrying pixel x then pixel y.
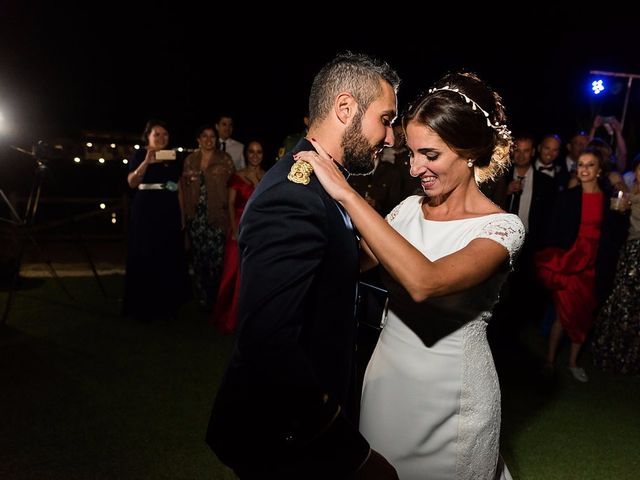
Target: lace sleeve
{"type": "Point", "coordinates": [508, 231]}
{"type": "Point", "coordinates": [394, 213]}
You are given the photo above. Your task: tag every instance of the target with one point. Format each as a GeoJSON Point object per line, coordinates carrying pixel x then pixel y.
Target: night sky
{"type": "Point", "coordinates": [65, 70]}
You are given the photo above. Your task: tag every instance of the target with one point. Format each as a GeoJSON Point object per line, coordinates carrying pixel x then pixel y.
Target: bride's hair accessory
{"type": "Point", "coordinates": [502, 129]}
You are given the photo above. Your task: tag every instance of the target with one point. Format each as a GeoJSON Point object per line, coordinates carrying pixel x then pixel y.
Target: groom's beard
{"type": "Point", "coordinates": [359, 154]}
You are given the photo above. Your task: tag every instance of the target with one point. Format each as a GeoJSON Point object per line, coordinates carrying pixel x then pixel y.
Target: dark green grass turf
{"type": "Point", "coordinates": [559, 428]}
{"type": "Point", "coordinates": [86, 394]}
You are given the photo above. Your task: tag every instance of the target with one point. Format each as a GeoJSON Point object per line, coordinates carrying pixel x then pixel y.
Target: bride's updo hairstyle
{"type": "Point", "coordinates": [470, 119]}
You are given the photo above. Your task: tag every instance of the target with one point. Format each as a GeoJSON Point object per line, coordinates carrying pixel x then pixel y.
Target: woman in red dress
{"type": "Point", "coordinates": [241, 186]}
{"type": "Point", "coordinates": [568, 266]}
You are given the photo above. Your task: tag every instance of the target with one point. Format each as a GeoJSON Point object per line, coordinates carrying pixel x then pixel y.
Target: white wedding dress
{"type": "Point", "coordinates": [434, 411]}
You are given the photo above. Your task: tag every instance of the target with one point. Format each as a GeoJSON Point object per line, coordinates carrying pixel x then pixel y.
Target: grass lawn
{"type": "Point", "coordinates": [87, 394]}
{"type": "Point", "coordinates": [560, 428]}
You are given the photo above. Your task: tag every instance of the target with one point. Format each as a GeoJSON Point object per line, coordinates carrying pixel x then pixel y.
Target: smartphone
{"type": "Point", "coordinates": [166, 155]}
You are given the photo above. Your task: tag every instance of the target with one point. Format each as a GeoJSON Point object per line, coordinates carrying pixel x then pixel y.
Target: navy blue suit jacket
{"type": "Point", "coordinates": [281, 410]}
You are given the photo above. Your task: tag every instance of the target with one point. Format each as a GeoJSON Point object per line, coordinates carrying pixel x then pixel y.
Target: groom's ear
{"type": "Point", "coordinates": [345, 107]}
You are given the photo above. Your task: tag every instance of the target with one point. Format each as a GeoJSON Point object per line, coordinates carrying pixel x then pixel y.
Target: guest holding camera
{"type": "Point", "coordinates": [204, 201]}
{"type": "Point", "coordinates": [156, 274]}
{"type": "Point", "coordinates": [613, 128]}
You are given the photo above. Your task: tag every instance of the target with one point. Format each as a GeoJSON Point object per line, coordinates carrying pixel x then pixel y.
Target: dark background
{"type": "Point", "coordinates": [69, 68]}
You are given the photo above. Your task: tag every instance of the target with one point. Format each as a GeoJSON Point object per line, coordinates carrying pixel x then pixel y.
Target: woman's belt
{"type": "Point", "coordinates": [171, 186]}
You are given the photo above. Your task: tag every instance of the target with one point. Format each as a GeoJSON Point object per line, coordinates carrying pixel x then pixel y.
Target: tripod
{"type": "Point", "coordinates": [22, 227]}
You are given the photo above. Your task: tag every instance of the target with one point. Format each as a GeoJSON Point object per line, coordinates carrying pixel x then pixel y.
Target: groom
{"type": "Point", "coordinates": [282, 410]}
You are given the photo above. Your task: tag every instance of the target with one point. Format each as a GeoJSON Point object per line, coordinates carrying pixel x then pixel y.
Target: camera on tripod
{"type": "Point", "coordinates": [19, 229]}
{"type": "Point", "coordinates": [44, 151]}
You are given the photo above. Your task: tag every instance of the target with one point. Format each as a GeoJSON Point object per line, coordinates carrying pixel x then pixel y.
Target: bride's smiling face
{"type": "Point", "coordinates": [439, 168]}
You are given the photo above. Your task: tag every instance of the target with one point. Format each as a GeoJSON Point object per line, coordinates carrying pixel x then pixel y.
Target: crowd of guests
{"type": "Point", "coordinates": [581, 213]}
{"type": "Point", "coordinates": [576, 211]}
{"type": "Point", "coordinates": [185, 212]}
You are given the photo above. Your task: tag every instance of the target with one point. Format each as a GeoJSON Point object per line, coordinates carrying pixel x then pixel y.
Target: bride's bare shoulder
{"type": "Point", "coordinates": [487, 207]}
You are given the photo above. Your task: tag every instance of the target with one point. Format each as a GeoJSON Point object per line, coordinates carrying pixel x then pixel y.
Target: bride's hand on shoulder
{"type": "Point", "coordinates": [327, 172]}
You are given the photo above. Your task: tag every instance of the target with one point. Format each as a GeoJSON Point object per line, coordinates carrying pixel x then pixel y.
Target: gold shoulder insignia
{"type": "Point", "coordinates": [300, 172]}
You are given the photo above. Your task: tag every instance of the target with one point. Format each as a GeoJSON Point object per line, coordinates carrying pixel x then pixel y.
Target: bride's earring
{"type": "Point", "coordinates": [470, 164]}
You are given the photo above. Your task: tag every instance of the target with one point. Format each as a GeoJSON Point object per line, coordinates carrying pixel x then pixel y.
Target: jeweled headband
{"type": "Point", "coordinates": [502, 129]}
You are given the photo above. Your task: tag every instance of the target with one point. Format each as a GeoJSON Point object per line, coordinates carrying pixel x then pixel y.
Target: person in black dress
{"type": "Point", "coordinates": [156, 279]}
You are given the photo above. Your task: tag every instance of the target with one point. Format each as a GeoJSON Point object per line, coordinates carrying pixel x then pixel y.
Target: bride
{"type": "Point", "coordinates": [431, 398]}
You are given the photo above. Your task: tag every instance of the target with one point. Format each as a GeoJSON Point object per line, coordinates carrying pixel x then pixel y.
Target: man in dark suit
{"type": "Point", "coordinates": [528, 193]}
{"type": "Point", "coordinates": [549, 162]}
{"type": "Point", "coordinates": [285, 409]}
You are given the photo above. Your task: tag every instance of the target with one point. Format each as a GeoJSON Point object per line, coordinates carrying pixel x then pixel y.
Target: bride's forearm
{"type": "Point", "coordinates": [367, 259]}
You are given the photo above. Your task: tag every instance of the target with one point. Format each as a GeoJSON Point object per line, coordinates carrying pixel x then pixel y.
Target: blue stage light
{"type": "Point", "coordinates": [597, 86]}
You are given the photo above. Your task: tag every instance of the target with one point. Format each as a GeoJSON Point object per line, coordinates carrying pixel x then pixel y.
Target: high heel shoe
{"type": "Point", "coordinates": [579, 374]}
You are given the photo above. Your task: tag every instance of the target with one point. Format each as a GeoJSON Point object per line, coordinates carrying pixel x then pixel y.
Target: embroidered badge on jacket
{"type": "Point", "coordinates": [300, 172]}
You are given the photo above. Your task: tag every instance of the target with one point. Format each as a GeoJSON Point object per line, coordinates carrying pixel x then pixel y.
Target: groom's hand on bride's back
{"type": "Point", "coordinates": [376, 468]}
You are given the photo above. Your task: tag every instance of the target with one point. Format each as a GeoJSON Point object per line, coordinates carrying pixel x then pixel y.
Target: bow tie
{"type": "Point", "coordinates": [542, 168]}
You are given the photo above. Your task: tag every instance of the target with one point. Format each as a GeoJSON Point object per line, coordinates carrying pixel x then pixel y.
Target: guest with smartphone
{"type": "Point", "coordinates": [156, 274]}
